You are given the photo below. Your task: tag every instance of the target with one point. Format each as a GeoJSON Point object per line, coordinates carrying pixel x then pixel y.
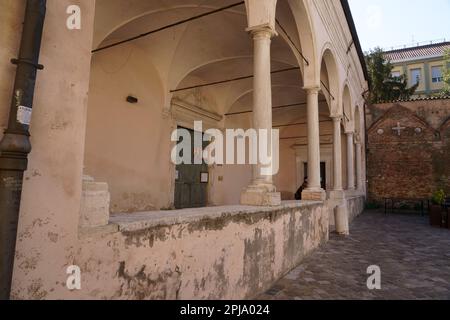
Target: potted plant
{"type": "Point", "coordinates": [436, 208]}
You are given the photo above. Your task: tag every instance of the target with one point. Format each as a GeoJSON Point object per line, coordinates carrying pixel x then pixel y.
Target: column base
{"type": "Point", "coordinates": [337, 195]}
{"type": "Point", "coordinates": [314, 195]}
{"type": "Point", "coordinates": [262, 198]}
{"type": "Point", "coordinates": [94, 204]}
{"type": "Point", "coordinates": [341, 220]}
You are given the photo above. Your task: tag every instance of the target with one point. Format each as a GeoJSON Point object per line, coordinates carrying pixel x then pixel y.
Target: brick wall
{"type": "Point", "coordinates": [413, 160]}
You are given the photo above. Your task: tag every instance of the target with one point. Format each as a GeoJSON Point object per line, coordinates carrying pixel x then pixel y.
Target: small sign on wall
{"type": "Point", "coordinates": [204, 177]}
{"type": "Point", "coordinates": [24, 115]}
{"type": "Point", "coordinates": [177, 175]}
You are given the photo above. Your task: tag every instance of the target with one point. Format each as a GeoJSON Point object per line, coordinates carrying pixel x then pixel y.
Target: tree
{"type": "Point", "coordinates": [385, 87]}
{"type": "Point", "coordinates": [446, 73]}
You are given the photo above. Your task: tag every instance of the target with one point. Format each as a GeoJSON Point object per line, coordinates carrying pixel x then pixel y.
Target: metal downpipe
{"type": "Point", "coordinates": [15, 145]}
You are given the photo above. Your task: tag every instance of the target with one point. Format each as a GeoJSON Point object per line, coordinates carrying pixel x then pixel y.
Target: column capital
{"type": "Point", "coordinates": [312, 89]}
{"type": "Point", "coordinates": [350, 133]}
{"type": "Point", "coordinates": [262, 32]}
{"type": "Point", "coordinates": [336, 118]}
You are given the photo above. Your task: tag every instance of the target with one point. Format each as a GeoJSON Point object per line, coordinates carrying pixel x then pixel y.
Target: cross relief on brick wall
{"type": "Point", "coordinates": [399, 129]}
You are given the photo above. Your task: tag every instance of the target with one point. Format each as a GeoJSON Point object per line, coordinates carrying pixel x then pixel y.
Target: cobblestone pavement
{"type": "Point", "coordinates": [414, 259]}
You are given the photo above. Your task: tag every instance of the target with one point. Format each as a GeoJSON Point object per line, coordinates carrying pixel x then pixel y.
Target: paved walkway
{"type": "Point", "coordinates": [414, 259]}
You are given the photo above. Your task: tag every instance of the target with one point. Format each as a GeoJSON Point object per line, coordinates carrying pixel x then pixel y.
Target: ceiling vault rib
{"type": "Point", "coordinates": [298, 124]}
{"type": "Point", "coordinates": [292, 42]}
{"type": "Point", "coordinates": [301, 54]}
{"type": "Point", "coordinates": [327, 89]}
{"type": "Point", "coordinates": [229, 80]}
{"type": "Point", "coordinates": [169, 26]}
{"type": "Point", "coordinates": [300, 137]}
{"type": "Point", "coordinates": [274, 108]}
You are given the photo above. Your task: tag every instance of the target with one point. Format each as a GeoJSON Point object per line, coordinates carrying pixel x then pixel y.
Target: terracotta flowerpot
{"type": "Point", "coordinates": [436, 215]}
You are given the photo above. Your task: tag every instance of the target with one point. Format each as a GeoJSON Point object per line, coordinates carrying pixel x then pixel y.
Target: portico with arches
{"type": "Point", "coordinates": [141, 69]}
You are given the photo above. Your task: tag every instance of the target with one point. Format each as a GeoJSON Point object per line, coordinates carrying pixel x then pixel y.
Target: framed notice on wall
{"type": "Point", "coordinates": [204, 177]}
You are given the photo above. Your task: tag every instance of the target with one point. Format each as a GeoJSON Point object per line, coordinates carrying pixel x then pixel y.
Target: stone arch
{"type": "Point", "coordinates": [359, 130]}
{"type": "Point", "coordinates": [206, 63]}
{"type": "Point", "coordinates": [330, 78]}
{"type": "Point", "coordinates": [348, 109]}
{"type": "Point", "coordinates": [136, 9]}
{"type": "Point", "coordinates": [267, 12]}
{"type": "Point", "coordinates": [298, 23]}
{"type": "Point", "coordinates": [235, 99]}
{"type": "Point", "coordinates": [184, 61]}
{"type": "Point", "coordinates": [305, 28]}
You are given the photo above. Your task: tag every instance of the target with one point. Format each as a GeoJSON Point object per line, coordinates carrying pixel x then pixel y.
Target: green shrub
{"type": "Point", "coordinates": [438, 197]}
{"type": "Point", "coordinates": [372, 206]}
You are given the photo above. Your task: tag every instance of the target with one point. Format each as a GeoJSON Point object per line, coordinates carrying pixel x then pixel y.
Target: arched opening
{"type": "Point", "coordinates": [359, 158]}
{"type": "Point", "coordinates": [348, 127]}
{"type": "Point", "coordinates": [358, 119]}
{"type": "Point", "coordinates": [348, 109]}
{"type": "Point", "coordinates": [200, 70]}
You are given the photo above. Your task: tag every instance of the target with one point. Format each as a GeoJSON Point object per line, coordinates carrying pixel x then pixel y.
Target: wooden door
{"type": "Point", "coordinates": [190, 191]}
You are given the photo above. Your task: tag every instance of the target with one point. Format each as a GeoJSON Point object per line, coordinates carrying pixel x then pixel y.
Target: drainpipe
{"type": "Point", "coordinates": [15, 145]}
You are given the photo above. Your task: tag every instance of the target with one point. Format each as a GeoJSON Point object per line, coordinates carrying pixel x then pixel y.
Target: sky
{"type": "Point", "coordinates": [394, 23]}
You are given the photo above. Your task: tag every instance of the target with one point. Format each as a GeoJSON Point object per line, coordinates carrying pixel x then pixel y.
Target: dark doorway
{"type": "Point", "coordinates": [323, 174]}
{"type": "Point", "coordinates": [191, 182]}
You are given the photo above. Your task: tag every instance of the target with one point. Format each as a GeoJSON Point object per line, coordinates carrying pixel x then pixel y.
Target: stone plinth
{"type": "Point", "coordinates": [341, 220]}
{"type": "Point", "coordinates": [314, 195]}
{"type": "Point", "coordinates": [258, 198]}
{"type": "Point", "coordinates": [94, 204]}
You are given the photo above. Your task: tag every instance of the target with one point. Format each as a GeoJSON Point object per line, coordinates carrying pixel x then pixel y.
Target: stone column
{"type": "Point", "coordinates": [314, 190]}
{"type": "Point", "coordinates": [340, 206]}
{"type": "Point", "coordinates": [52, 190]}
{"type": "Point", "coordinates": [358, 151]}
{"type": "Point", "coordinates": [337, 153]}
{"type": "Point", "coordinates": [350, 162]}
{"type": "Point", "coordinates": [341, 220]}
{"type": "Point", "coordinates": [262, 192]}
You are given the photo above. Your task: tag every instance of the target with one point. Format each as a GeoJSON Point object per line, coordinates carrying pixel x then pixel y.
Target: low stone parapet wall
{"type": "Point", "coordinates": [353, 204]}
{"type": "Point", "coordinates": [355, 207]}
{"type": "Point", "coordinates": [208, 253]}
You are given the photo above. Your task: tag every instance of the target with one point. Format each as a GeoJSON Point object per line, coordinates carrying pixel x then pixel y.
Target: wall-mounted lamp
{"type": "Point", "coordinates": [133, 100]}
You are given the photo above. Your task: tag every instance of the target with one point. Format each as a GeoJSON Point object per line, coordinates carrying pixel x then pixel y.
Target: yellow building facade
{"type": "Point", "coordinates": [423, 64]}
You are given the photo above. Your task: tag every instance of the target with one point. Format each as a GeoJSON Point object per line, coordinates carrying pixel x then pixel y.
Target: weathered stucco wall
{"type": "Point", "coordinates": [355, 207]}
{"type": "Point", "coordinates": [220, 253]}
{"type": "Point", "coordinates": [128, 145]}
{"type": "Point", "coordinates": [50, 206]}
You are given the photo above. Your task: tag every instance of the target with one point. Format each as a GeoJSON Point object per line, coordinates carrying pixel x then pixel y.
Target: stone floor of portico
{"type": "Point", "coordinates": [414, 259]}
